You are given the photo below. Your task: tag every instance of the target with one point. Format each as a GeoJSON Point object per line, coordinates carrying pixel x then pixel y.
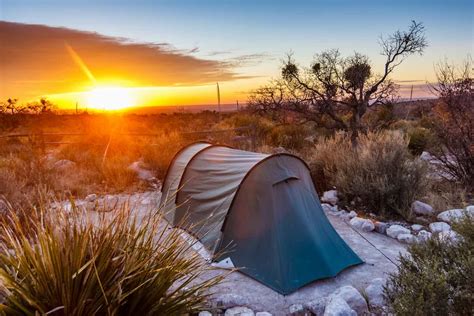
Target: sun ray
{"type": "Point", "coordinates": [78, 60]}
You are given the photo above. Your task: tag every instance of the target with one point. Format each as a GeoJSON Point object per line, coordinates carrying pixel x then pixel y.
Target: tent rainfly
{"type": "Point", "coordinates": [258, 212]}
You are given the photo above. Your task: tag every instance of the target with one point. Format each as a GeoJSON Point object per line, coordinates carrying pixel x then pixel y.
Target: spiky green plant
{"type": "Point", "coordinates": [69, 263]}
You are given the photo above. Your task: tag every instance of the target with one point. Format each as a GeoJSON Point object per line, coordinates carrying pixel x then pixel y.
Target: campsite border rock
{"type": "Point", "coordinates": [363, 224]}
{"type": "Point", "coordinates": [395, 230]}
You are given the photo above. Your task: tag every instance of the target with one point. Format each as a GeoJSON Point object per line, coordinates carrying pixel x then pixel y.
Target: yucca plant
{"type": "Point", "coordinates": [70, 263]}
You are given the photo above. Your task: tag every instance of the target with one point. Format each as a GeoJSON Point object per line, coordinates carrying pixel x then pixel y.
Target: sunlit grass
{"type": "Point", "coordinates": [120, 265]}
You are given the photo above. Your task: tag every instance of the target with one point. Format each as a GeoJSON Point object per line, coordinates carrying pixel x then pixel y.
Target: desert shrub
{"type": "Point", "coordinates": [289, 136]}
{"type": "Point", "coordinates": [437, 277]}
{"type": "Point", "coordinates": [22, 173]}
{"type": "Point", "coordinates": [453, 117]}
{"type": "Point", "coordinates": [117, 174]}
{"type": "Point", "coordinates": [445, 195]}
{"type": "Point", "coordinates": [117, 265]}
{"type": "Point", "coordinates": [378, 173]}
{"type": "Point", "coordinates": [159, 155]}
{"type": "Point", "coordinates": [419, 140]}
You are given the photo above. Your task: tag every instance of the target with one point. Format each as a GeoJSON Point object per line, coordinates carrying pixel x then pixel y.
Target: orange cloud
{"type": "Point", "coordinates": [35, 60]}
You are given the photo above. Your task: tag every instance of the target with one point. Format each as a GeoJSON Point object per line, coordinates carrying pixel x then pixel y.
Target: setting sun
{"type": "Point", "coordinates": [110, 98]}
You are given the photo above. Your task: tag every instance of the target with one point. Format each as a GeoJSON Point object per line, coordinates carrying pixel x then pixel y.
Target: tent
{"type": "Point", "coordinates": [259, 212]}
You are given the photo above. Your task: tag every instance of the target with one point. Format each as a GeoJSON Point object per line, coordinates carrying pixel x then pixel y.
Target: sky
{"type": "Point", "coordinates": [173, 52]}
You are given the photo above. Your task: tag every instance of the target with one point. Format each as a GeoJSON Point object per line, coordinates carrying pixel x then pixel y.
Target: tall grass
{"type": "Point", "coordinates": [72, 264]}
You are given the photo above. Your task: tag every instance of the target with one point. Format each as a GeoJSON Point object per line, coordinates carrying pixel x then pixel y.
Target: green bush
{"type": "Point", "coordinates": [420, 138]}
{"type": "Point", "coordinates": [378, 173]}
{"type": "Point", "coordinates": [437, 277]}
{"type": "Point", "coordinates": [66, 264]}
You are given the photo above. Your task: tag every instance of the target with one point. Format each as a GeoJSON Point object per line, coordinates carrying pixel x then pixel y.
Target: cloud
{"type": "Point", "coordinates": [248, 60]}
{"type": "Point", "coordinates": [34, 60]}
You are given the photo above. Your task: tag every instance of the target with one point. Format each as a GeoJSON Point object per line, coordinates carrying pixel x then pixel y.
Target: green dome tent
{"type": "Point", "coordinates": [258, 212]}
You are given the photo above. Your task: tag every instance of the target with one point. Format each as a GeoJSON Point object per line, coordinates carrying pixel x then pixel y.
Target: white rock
{"type": "Point", "coordinates": [328, 208]}
{"type": "Point", "coordinates": [63, 164]}
{"type": "Point", "coordinates": [353, 298]}
{"type": "Point", "coordinates": [239, 311]}
{"type": "Point", "coordinates": [420, 208]}
{"type": "Point", "coordinates": [424, 235]}
{"type": "Point", "coordinates": [317, 306]}
{"type": "Point", "coordinates": [330, 197]}
{"type": "Point", "coordinates": [454, 215]}
{"type": "Point", "coordinates": [352, 214]}
{"type": "Point", "coordinates": [375, 292]}
{"type": "Point", "coordinates": [438, 227]}
{"type": "Point", "coordinates": [205, 313]}
{"type": "Point", "coordinates": [338, 307]}
{"type": "Point", "coordinates": [142, 174]}
{"type": "Point", "coordinates": [416, 227]}
{"type": "Point", "coordinates": [395, 230]}
{"type": "Point", "coordinates": [296, 309]}
{"type": "Point", "coordinates": [381, 227]}
{"type": "Point", "coordinates": [406, 238]}
{"type": "Point", "coordinates": [341, 214]}
{"type": "Point", "coordinates": [91, 197]}
{"type": "Point", "coordinates": [263, 314]}
{"type": "Point", "coordinates": [362, 224]}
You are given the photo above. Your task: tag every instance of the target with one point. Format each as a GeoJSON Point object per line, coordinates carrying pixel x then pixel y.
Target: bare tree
{"type": "Point", "coordinates": [454, 117]}
{"type": "Point", "coordinates": [40, 107]}
{"type": "Point", "coordinates": [11, 106]}
{"type": "Point", "coordinates": [335, 92]}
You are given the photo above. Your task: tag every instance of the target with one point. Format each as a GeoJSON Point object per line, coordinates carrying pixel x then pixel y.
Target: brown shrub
{"type": "Point", "coordinates": [378, 174]}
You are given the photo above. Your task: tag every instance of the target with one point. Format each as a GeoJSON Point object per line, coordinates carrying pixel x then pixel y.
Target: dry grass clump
{"type": "Point", "coordinates": [159, 154]}
{"type": "Point", "coordinates": [120, 265]}
{"type": "Point", "coordinates": [378, 173]}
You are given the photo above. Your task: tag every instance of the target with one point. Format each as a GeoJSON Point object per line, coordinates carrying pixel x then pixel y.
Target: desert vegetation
{"type": "Point", "coordinates": [344, 119]}
{"type": "Point", "coordinates": [436, 277]}
{"type": "Point", "coordinates": [64, 263]}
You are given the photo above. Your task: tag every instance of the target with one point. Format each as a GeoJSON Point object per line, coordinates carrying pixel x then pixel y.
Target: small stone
{"type": "Point", "coordinates": [395, 230]}
{"type": "Point", "coordinates": [438, 227]}
{"type": "Point", "coordinates": [297, 310]}
{"type": "Point", "coordinates": [328, 208]}
{"type": "Point", "coordinates": [227, 300]}
{"type": "Point", "coordinates": [352, 214]}
{"type": "Point", "coordinates": [406, 238]}
{"type": "Point", "coordinates": [263, 314]}
{"type": "Point", "coordinates": [63, 164]}
{"type": "Point", "coordinates": [420, 208]}
{"type": "Point", "coordinates": [381, 227]}
{"type": "Point", "coordinates": [317, 306]}
{"type": "Point", "coordinates": [353, 298]}
{"type": "Point", "coordinates": [416, 227]}
{"type": "Point", "coordinates": [205, 313]}
{"type": "Point", "coordinates": [239, 311]}
{"type": "Point", "coordinates": [330, 197]}
{"type": "Point", "coordinates": [338, 307]}
{"type": "Point", "coordinates": [424, 235]}
{"type": "Point", "coordinates": [362, 224]}
{"type": "Point", "coordinates": [375, 293]}
{"type": "Point", "coordinates": [450, 216]}
{"type": "Point", "coordinates": [91, 197]}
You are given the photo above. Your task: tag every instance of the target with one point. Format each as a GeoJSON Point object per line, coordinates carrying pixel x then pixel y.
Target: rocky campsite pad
{"type": "Point", "coordinates": [240, 290]}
